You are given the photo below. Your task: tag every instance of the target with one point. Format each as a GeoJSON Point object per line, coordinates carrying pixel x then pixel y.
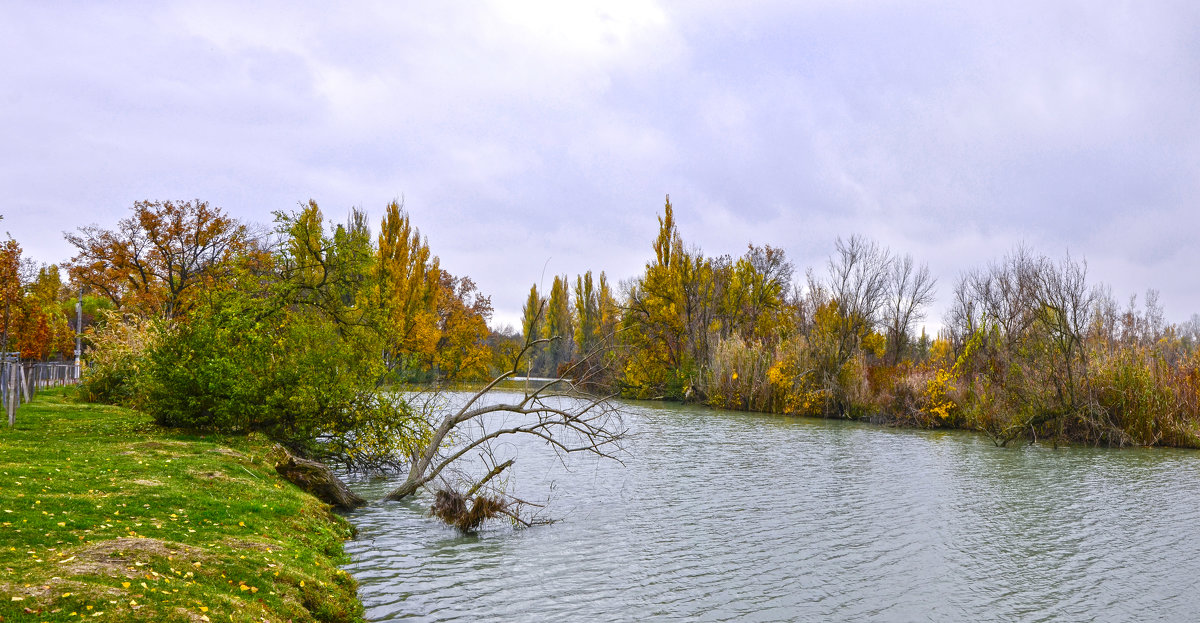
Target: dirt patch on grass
{"type": "Point", "coordinates": [229, 452]}
{"type": "Point", "coordinates": [208, 474]}
{"type": "Point", "coordinates": [148, 483]}
{"type": "Point", "coordinates": [157, 448]}
{"type": "Point", "coordinates": [116, 557]}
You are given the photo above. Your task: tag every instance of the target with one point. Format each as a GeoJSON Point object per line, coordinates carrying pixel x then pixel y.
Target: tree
{"type": "Point", "coordinates": [462, 315]}
{"type": "Point", "coordinates": [858, 287]}
{"type": "Point", "coordinates": [759, 281]}
{"type": "Point", "coordinates": [407, 281]}
{"type": "Point", "coordinates": [558, 329]}
{"type": "Point", "coordinates": [556, 411]}
{"type": "Point", "coordinates": [610, 310]}
{"type": "Point", "coordinates": [587, 314]}
{"type": "Point", "coordinates": [910, 291]}
{"type": "Point", "coordinates": [665, 319]}
{"type": "Point", "coordinates": [10, 285]}
{"type": "Point", "coordinates": [532, 321]}
{"type": "Point", "coordinates": [1065, 305]}
{"type": "Point", "coordinates": [288, 350]}
{"type": "Point", "coordinates": [40, 326]}
{"type": "Point", "coordinates": [159, 260]}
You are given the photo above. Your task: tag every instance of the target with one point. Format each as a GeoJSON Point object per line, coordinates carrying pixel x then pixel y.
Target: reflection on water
{"type": "Point", "coordinates": [737, 517]}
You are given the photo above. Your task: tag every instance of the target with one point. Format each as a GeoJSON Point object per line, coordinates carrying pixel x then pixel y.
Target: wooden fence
{"type": "Point", "coordinates": [20, 381]}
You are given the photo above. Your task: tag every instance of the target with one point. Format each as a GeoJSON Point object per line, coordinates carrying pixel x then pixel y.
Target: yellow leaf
{"type": "Point", "coordinates": [124, 584]}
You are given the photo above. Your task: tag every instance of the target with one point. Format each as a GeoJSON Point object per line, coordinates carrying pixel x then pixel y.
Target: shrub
{"type": "Point", "coordinates": [118, 349]}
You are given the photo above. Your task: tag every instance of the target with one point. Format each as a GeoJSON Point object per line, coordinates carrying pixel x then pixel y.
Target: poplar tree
{"type": "Point", "coordinates": [407, 277]}
{"type": "Point", "coordinates": [558, 326]}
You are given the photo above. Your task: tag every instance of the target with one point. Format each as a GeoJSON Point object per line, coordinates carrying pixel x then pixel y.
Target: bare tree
{"type": "Point", "coordinates": [1004, 297]}
{"type": "Point", "coordinates": [858, 285]}
{"type": "Point", "coordinates": [910, 291]}
{"type": "Point", "coordinates": [1065, 306]}
{"type": "Point", "coordinates": [556, 411]}
{"type": "Point", "coordinates": [856, 293]}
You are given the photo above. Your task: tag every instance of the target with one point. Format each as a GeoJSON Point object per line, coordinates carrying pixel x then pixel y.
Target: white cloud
{"type": "Point", "coordinates": [518, 132]}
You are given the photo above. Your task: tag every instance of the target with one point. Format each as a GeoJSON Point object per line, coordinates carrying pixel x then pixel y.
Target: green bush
{"type": "Point", "coordinates": [294, 376]}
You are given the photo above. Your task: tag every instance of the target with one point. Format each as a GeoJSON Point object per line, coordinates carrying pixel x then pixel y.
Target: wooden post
{"type": "Point", "coordinates": [10, 392]}
{"type": "Point", "coordinates": [24, 385]}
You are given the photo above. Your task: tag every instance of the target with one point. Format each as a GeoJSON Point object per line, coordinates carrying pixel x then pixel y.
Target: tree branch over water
{"type": "Point", "coordinates": [556, 410]}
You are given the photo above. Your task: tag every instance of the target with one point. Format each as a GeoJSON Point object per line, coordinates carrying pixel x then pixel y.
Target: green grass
{"type": "Point", "coordinates": [105, 516]}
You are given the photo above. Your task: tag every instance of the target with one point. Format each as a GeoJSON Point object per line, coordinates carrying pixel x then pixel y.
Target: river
{"type": "Point", "coordinates": [719, 516]}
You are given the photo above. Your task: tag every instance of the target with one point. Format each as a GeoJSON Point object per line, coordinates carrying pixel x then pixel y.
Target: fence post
{"type": "Point", "coordinates": [24, 385]}
{"type": "Point", "coordinates": [10, 391]}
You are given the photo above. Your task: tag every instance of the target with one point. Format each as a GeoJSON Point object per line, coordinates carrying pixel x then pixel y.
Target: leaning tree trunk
{"type": "Point", "coordinates": [568, 421]}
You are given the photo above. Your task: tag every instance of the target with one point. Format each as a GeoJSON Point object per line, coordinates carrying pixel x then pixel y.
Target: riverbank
{"type": "Point", "coordinates": [106, 516]}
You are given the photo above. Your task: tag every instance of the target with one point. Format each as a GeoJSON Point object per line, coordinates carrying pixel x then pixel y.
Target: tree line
{"type": "Point", "coordinates": [302, 328]}
{"type": "Point", "coordinates": [1030, 349]}
{"type": "Point", "coordinates": [296, 330]}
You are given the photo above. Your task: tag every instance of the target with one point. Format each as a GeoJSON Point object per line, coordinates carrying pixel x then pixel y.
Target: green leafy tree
{"type": "Point", "coordinates": [558, 327]}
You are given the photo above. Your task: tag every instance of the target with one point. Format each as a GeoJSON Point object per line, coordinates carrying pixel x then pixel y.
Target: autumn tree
{"type": "Point", "coordinates": [41, 327]}
{"type": "Point", "coordinates": [10, 286]}
{"type": "Point", "coordinates": [656, 326]}
{"type": "Point", "coordinates": [587, 314]}
{"type": "Point", "coordinates": [610, 309]}
{"type": "Point", "coordinates": [407, 281]}
{"type": "Point", "coordinates": [462, 313]}
{"type": "Point", "coordinates": [532, 320]}
{"type": "Point", "coordinates": [755, 294]}
{"type": "Point", "coordinates": [160, 259]}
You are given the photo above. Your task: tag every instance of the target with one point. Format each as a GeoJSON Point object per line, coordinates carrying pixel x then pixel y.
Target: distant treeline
{"type": "Point", "coordinates": [1030, 349]}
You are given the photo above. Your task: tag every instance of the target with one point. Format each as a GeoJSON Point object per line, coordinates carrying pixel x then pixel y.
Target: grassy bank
{"type": "Point", "coordinates": [106, 516]}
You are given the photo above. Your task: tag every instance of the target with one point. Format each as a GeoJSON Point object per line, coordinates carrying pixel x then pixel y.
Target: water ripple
{"type": "Point", "coordinates": [732, 517]}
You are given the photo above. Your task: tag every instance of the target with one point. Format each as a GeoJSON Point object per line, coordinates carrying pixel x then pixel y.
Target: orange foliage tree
{"type": "Point", "coordinates": [158, 260]}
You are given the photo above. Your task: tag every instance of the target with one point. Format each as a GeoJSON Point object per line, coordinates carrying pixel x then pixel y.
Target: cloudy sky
{"type": "Point", "coordinates": [524, 135]}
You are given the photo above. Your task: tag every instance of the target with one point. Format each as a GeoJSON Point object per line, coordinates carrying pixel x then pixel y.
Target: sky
{"type": "Point", "coordinates": [528, 139]}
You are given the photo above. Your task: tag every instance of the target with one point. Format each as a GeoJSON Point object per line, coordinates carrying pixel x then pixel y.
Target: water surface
{"type": "Point", "coordinates": [719, 516]}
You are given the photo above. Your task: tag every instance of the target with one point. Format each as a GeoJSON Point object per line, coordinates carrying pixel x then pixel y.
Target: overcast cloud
{"type": "Point", "coordinates": [525, 133]}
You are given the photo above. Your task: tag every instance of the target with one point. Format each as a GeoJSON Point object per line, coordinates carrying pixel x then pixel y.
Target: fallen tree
{"type": "Point", "coordinates": [556, 410]}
